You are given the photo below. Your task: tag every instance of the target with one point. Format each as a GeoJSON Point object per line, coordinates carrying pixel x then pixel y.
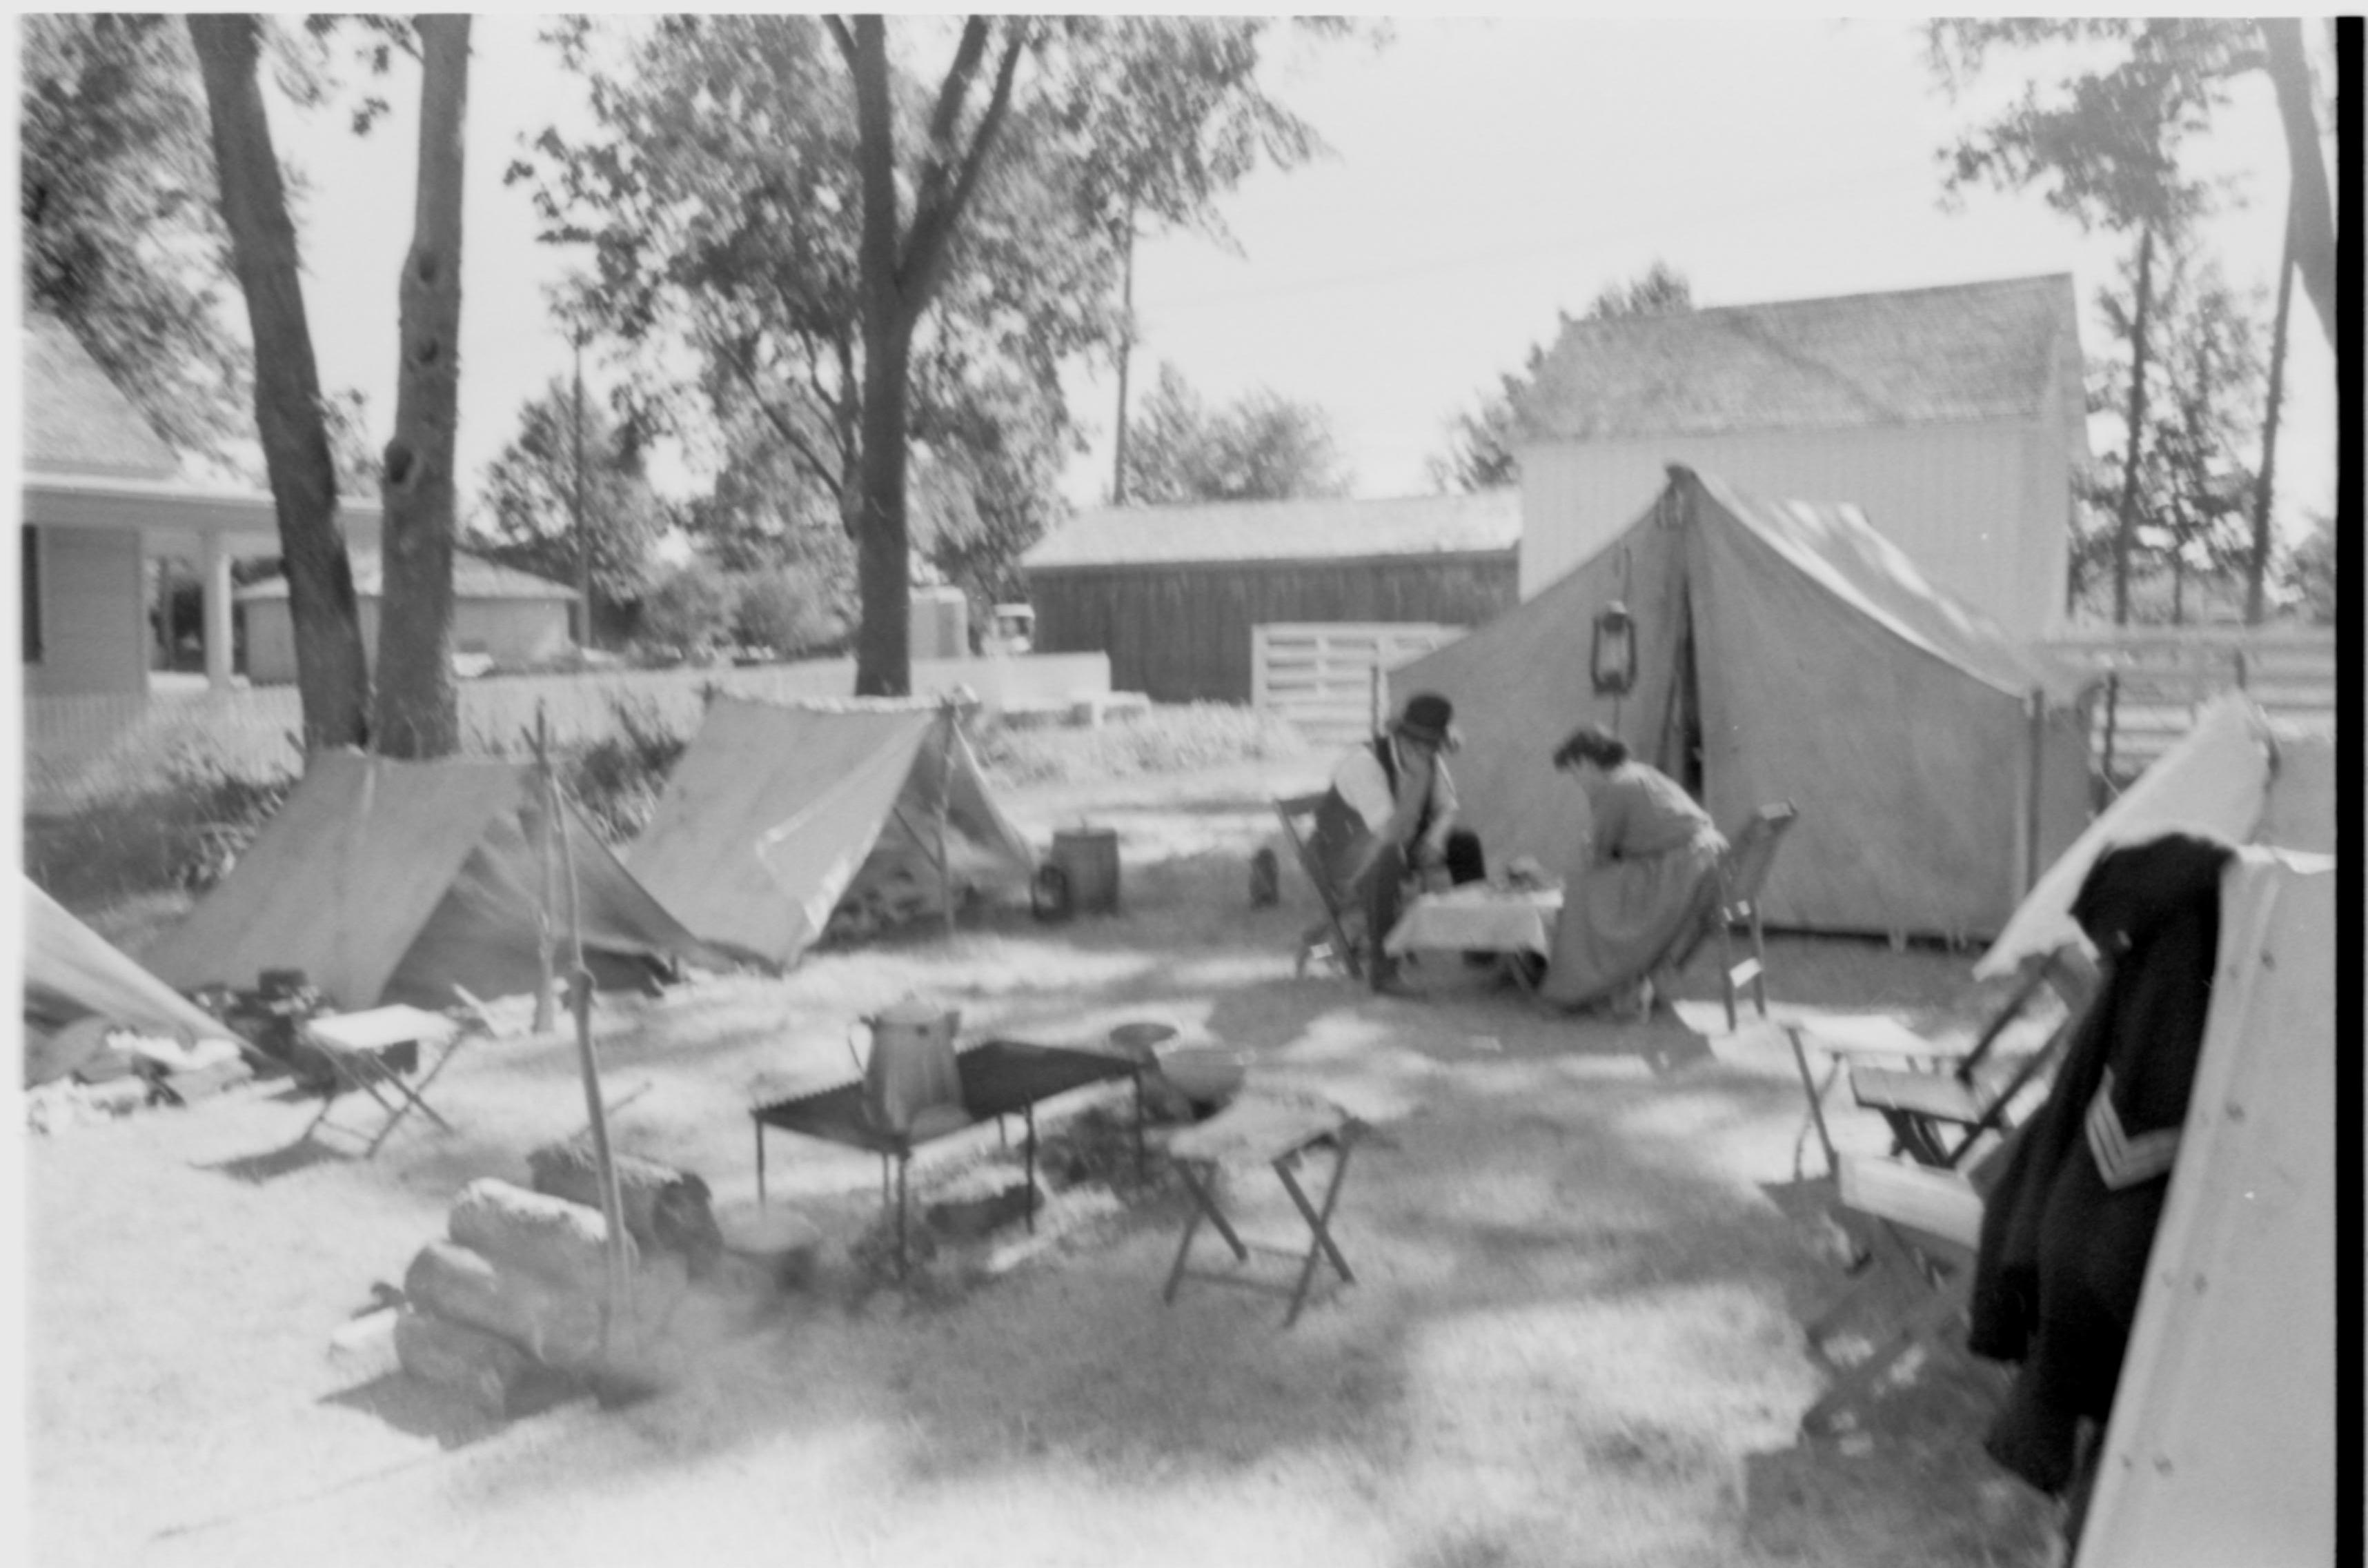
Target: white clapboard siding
{"type": "Point", "coordinates": [2162, 675]}
{"type": "Point", "coordinates": [1320, 674]}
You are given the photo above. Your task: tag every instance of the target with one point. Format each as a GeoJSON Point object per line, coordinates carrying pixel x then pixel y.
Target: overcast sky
{"type": "Point", "coordinates": [1485, 174]}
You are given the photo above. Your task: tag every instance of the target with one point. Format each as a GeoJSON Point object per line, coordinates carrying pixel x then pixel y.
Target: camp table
{"type": "Point", "coordinates": [1278, 1131]}
{"type": "Point", "coordinates": [998, 1076]}
{"type": "Point", "coordinates": [1479, 919]}
{"type": "Point", "coordinates": [371, 1051]}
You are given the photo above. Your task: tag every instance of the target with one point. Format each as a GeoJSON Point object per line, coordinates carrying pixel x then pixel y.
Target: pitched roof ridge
{"type": "Point", "coordinates": [1699, 313]}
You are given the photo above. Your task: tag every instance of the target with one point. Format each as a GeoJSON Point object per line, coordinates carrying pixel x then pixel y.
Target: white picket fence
{"type": "Point", "coordinates": [1324, 676]}
{"type": "Point", "coordinates": [2156, 678]}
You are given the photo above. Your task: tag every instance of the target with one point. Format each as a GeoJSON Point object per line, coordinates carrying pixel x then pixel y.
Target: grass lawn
{"type": "Point", "coordinates": [1574, 1337]}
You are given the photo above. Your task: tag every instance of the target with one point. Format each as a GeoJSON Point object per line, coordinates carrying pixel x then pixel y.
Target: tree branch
{"type": "Point", "coordinates": [926, 245]}
{"type": "Point", "coordinates": [800, 449]}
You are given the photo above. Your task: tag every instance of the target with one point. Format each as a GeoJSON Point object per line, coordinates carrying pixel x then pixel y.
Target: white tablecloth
{"type": "Point", "coordinates": [1479, 919]}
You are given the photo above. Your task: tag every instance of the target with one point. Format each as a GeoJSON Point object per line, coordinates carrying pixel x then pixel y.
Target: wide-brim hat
{"type": "Point", "coordinates": [1430, 718]}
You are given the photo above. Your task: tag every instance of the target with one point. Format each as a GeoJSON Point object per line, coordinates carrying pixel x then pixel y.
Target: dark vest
{"type": "Point", "coordinates": [1337, 825]}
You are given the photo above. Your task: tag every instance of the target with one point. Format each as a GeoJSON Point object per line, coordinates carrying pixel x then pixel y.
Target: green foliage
{"type": "Point", "coordinates": [120, 225]}
{"type": "Point", "coordinates": [795, 611]}
{"type": "Point", "coordinates": [690, 609]}
{"type": "Point", "coordinates": [180, 833]}
{"type": "Point", "coordinates": [530, 496]}
{"type": "Point", "coordinates": [1479, 453]}
{"type": "Point", "coordinates": [2309, 572]}
{"type": "Point", "coordinates": [2103, 143]}
{"type": "Point", "coordinates": [1261, 447]}
{"type": "Point", "coordinates": [617, 779]}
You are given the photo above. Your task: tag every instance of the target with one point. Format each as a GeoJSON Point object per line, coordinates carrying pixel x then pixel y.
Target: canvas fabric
{"type": "Point", "coordinates": [2233, 776]}
{"type": "Point", "coordinates": [775, 814]}
{"type": "Point", "coordinates": [1823, 668]}
{"type": "Point", "coordinates": [70, 972]}
{"type": "Point", "coordinates": [354, 882]}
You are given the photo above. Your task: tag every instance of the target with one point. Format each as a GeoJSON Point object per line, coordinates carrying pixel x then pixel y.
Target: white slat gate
{"type": "Point", "coordinates": [1322, 675]}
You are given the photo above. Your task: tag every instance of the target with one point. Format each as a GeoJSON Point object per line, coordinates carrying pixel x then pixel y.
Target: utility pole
{"type": "Point", "coordinates": [2265, 483]}
{"type": "Point", "coordinates": [583, 539]}
{"type": "Point", "coordinates": [1125, 345]}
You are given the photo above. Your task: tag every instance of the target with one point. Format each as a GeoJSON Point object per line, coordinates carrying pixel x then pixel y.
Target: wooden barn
{"type": "Point", "coordinates": [1172, 593]}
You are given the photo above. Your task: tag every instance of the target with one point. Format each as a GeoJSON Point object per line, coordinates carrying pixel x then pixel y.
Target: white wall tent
{"type": "Point", "coordinates": [776, 815]}
{"type": "Point", "coordinates": [1784, 651]}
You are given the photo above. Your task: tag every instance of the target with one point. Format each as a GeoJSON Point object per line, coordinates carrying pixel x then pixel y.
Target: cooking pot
{"type": "Point", "coordinates": [910, 1068]}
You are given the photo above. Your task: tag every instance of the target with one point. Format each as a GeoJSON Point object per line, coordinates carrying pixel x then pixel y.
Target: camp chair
{"type": "Point", "coordinates": [1332, 937]}
{"type": "Point", "coordinates": [376, 1053]}
{"type": "Point", "coordinates": [1733, 900]}
{"type": "Point", "coordinates": [1922, 1227]}
{"type": "Point", "coordinates": [1936, 1117]}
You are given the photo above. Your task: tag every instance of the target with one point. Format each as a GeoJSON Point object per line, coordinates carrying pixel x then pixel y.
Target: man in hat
{"type": "Point", "coordinates": [1390, 816]}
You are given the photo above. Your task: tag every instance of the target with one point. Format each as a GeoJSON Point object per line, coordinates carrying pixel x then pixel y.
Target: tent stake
{"type": "Point", "coordinates": [579, 996]}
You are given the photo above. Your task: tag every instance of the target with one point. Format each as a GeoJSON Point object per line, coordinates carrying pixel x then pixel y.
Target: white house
{"type": "Point", "coordinates": [102, 496]}
{"type": "Point", "coordinates": [1955, 417]}
{"type": "Point", "coordinates": [499, 614]}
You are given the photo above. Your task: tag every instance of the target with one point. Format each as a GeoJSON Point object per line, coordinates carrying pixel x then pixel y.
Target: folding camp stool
{"type": "Point", "coordinates": [1278, 1132]}
{"type": "Point", "coordinates": [367, 1051]}
{"type": "Point", "coordinates": [1925, 1225]}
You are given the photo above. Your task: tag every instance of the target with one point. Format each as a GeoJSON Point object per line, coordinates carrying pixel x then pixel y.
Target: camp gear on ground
{"type": "Point", "coordinates": [73, 974]}
{"type": "Point", "coordinates": [1280, 1132]}
{"type": "Point", "coordinates": [1785, 650]}
{"type": "Point", "coordinates": [998, 1077]}
{"type": "Point", "coordinates": [777, 818]}
{"type": "Point", "coordinates": [389, 881]}
{"type": "Point", "coordinates": [1088, 857]}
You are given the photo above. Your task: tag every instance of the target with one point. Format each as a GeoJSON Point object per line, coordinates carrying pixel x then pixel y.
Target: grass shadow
{"type": "Point", "coordinates": [301, 1154]}
{"type": "Point", "coordinates": [419, 1409]}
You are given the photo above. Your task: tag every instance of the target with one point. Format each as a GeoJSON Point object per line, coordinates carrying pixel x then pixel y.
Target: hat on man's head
{"type": "Point", "coordinates": [1430, 718]}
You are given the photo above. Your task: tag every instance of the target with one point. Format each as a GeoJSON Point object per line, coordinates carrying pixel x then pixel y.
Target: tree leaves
{"type": "Point", "coordinates": [1262, 447]}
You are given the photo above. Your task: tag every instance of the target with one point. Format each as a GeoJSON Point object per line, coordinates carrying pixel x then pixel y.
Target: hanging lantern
{"type": "Point", "coordinates": [1613, 664]}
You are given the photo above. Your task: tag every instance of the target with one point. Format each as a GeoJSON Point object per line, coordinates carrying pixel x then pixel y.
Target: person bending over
{"type": "Point", "coordinates": [1636, 889]}
{"type": "Point", "coordinates": [1390, 818]}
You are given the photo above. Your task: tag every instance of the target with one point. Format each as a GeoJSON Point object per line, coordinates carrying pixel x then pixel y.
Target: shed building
{"type": "Point", "coordinates": [511, 618]}
{"type": "Point", "coordinates": [1172, 593]}
{"type": "Point", "coordinates": [1954, 418]}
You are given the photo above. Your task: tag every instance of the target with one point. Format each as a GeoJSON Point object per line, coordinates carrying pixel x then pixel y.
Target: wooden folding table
{"type": "Point", "coordinates": [367, 1050]}
{"type": "Point", "coordinates": [1278, 1131]}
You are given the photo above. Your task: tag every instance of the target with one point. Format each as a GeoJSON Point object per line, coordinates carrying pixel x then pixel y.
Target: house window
{"type": "Point", "coordinates": [33, 577]}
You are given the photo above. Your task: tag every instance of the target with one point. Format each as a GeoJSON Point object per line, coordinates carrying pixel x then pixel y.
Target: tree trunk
{"type": "Point", "coordinates": [332, 675]}
{"type": "Point", "coordinates": [418, 708]}
{"type": "Point", "coordinates": [2257, 565]}
{"type": "Point", "coordinates": [2311, 203]}
{"type": "Point", "coordinates": [2126, 521]}
{"type": "Point", "coordinates": [883, 651]}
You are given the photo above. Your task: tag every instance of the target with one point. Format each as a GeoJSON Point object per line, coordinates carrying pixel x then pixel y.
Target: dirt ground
{"type": "Point", "coordinates": [1582, 1253]}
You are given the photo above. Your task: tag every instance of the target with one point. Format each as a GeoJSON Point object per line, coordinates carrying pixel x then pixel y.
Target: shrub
{"type": "Point", "coordinates": [1169, 739]}
{"type": "Point", "coordinates": [617, 779]}
{"type": "Point", "coordinates": [183, 835]}
{"type": "Point", "coordinates": [788, 609]}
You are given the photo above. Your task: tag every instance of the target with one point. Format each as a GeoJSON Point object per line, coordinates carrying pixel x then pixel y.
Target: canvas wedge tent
{"type": "Point", "coordinates": [1785, 649]}
{"type": "Point", "coordinates": [776, 816]}
{"type": "Point", "coordinates": [73, 974]}
{"type": "Point", "coordinates": [2223, 1442]}
{"type": "Point", "coordinates": [2234, 776]}
{"type": "Point", "coordinates": [397, 881]}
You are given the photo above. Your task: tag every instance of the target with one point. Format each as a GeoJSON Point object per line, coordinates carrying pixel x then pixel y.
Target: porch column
{"type": "Point", "coordinates": [217, 611]}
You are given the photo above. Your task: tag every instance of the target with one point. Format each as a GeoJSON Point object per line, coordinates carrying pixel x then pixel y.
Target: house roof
{"type": "Point", "coordinates": [473, 577]}
{"type": "Point", "coordinates": [1964, 352]}
{"type": "Point", "coordinates": [78, 421]}
{"type": "Point", "coordinates": [1323, 529]}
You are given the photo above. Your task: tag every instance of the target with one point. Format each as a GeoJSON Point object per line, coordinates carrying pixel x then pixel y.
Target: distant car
{"type": "Point", "coordinates": [1013, 629]}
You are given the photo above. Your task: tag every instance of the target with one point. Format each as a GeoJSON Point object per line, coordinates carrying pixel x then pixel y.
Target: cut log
{"type": "Point", "coordinates": [665, 1210]}
{"type": "Point", "coordinates": [562, 1241]}
{"type": "Point", "coordinates": [556, 1324]}
{"type": "Point", "coordinates": [483, 1368]}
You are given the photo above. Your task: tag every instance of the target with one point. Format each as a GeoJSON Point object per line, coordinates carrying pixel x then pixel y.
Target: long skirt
{"type": "Point", "coordinates": [1622, 918]}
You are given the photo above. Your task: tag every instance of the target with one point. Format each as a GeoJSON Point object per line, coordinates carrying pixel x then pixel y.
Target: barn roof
{"type": "Point", "coordinates": [1323, 529]}
{"type": "Point", "coordinates": [473, 577]}
{"type": "Point", "coordinates": [78, 421]}
{"type": "Point", "coordinates": [1962, 352]}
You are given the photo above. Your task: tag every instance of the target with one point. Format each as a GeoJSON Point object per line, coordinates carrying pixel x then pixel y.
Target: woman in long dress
{"type": "Point", "coordinates": [1638, 885]}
